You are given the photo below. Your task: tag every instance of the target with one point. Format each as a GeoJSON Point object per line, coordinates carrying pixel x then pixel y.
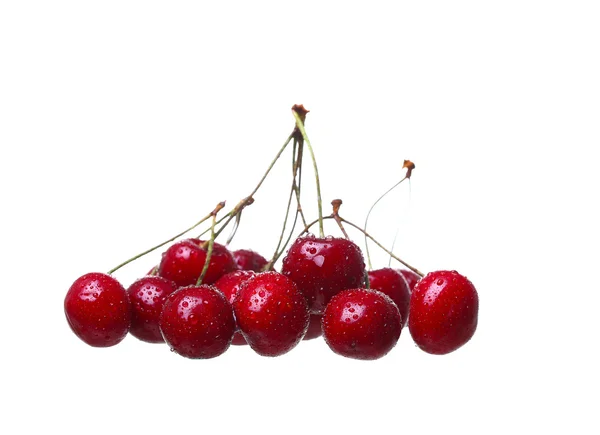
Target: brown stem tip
{"type": "Point", "coordinates": [409, 167]}
{"type": "Point", "coordinates": [336, 203]}
{"type": "Point", "coordinates": [218, 208]}
{"type": "Point", "coordinates": [301, 111]}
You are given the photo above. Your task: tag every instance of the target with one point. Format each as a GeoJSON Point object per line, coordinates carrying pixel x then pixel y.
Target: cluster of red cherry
{"type": "Point", "coordinates": [202, 297]}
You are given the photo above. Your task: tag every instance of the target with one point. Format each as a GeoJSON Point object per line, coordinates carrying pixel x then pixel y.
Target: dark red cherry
{"type": "Point", "coordinates": [229, 285]}
{"type": "Point", "coordinates": [272, 313]}
{"type": "Point", "coordinates": [443, 312]}
{"type": "Point", "coordinates": [392, 283]}
{"type": "Point", "coordinates": [183, 262]}
{"type": "Point", "coordinates": [411, 278]}
{"type": "Point", "coordinates": [361, 324]}
{"type": "Point", "coordinates": [323, 267]}
{"type": "Point", "coordinates": [314, 327]}
{"type": "Point", "coordinates": [147, 296]}
{"type": "Point", "coordinates": [98, 309]}
{"type": "Point", "coordinates": [249, 260]}
{"type": "Point", "coordinates": [197, 322]}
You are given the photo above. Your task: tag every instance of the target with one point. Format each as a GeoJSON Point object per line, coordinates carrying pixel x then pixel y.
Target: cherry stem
{"type": "Point", "coordinates": [296, 171]}
{"type": "Point", "coordinates": [337, 203]}
{"type": "Point", "coordinates": [369, 214]}
{"type": "Point", "coordinates": [250, 198]}
{"type": "Point", "coordinates": [114, 269]}
{"type": "Point", "coordinates": [398, 228]}
{"type": "Point", "coordinates": [211, 242]}
{"type": "Point", "coordinates": [287, 210]}
{"type": "Point", "coordinates": [390, 253]}
{"type": "Point", "coordinates": [300, 126]}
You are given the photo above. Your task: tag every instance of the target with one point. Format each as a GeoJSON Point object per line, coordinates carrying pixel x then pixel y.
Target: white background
{"type": "Point", "coordinates": [124, 122]}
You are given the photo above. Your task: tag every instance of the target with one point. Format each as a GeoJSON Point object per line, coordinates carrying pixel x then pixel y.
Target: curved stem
{"type": "Point", "coordinates": [369, 214]}
{"type": "Point", "coordinates": [114, 269]}
{"type": "Point", "coordinates": [249, 199]}
{"type": "Point", "coordinates": [390, 253]}
{"type": "Point", "coordinates": [300, 126]}
{"type": "Point", "coordinates": [287, 210]}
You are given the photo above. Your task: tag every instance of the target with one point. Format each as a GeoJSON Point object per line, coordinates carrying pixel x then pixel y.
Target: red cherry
{"type": "Point", "coordinates": [183, 262]}
{"type": "Point", "coordinates": [197, 322]}
{"type": "Point", "coordinates": [443, 312]}
{"type": "Point", "coordinates": [314, 327]}
{"type": "Point", "coordinates": [147, 296]}
{"type": "Point", "coordinates": [323, 267]}
{"type": "Point", "coordinates": [272, 313]}
{"type": "Point", "coordinates": [249, 260]}
{"type": "Point", "coordinates": [361, 324]}
{"type": "Point", "coordinates": [229, 285]}
{"type": "Point", "coordinates": [392, 283]}
{"type": "Point", "coordinates": [98, 309]}
{"type": "Point", "coordinates": [411, 278]}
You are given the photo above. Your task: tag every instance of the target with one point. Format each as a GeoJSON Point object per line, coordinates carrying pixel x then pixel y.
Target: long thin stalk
{"type": "Point", "coordinates": [300, 126]}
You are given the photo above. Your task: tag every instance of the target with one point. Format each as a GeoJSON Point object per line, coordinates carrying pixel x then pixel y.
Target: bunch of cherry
{"type": "Point", "coordinates": [202, 297]}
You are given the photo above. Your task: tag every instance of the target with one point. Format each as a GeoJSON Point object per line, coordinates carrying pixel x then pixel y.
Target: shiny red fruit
{"type": "Point", "coordinates": [183, 262]}
{"type": "Point", "coordinates": [98, 309]}
{"type": "Point", "coordinates": [314, 327]}
{"type": "Point", "coordinates": [323, 267]}
{"type": "Point", "coordinates": [249, 260]}
{"type": "Point", "coordinates": [392, 283]}
{"type": "Point", "coordinates": [411, 278]}
{"type": "Point", "coordinates": [229, 285]}
{"type": "Point", "coordinates": [147, 296]}
{"type": "Point", "coordinates": [361, 324]}
{"type": "Point", "coordinates": [272, 313]}
{"type": "Point", "coordinates": [197, 322]}
{"type": "Point", "coordinates": [443, 312]}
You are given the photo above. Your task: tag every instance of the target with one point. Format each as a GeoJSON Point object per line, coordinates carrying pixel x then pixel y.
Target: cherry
{"type": "Point", "coordinates": [98, 309]}
{"type": "Point", "coordinates": [272, 313]}
{"type": "Point", "coordinates": [361, 324]}
{"type": "Point", "coordinates": [147, 296]}
{"type": "Point", "coordinates": [229, 285]}
{"type": "Point", "coordinates": [197, 322]}
{"type": "Point", "coordinates": [314, 327]}
{"type": "Point", "coordinates": [411, 278]}
{"type": "Point", "coordinates": [249, 260]}
{"type": "Point", "coordinates": [322, 267]}
{"type": "Point", "coordinates": [443, 312]}
{"type": "Point", "coordinates": [392, 283]}
{"type": "Point", "coordinates": [183, 262]}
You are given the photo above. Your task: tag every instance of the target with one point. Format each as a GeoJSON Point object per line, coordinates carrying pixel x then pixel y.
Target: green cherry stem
{"type": "Point", "coordinates": [211, 242]}
{"type": "Point", "coordinates": [250, 198]}
{"type": "Point", "coordinates": [114, 269]}
{"type": "Point", "coordinates": [369, 214]}
{"type": "Point", "coordinates": [300, 126]}
{"type": "Point", "coordinates": [410, 166]}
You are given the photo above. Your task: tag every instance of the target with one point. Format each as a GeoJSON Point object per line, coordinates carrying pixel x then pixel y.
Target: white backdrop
{"type": "Point", "coordinates": [124, 122]}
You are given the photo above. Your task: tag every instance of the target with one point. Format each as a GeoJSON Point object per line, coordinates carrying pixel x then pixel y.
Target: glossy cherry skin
{"type": "Point", "coordinates": [361, 324]}
{"type": "Point", "coordinates": [98, 309]}
{"type": "Point", "coordinates": [314, 327]}
{"type": "Point", "coordinates": [229, 285]}
{"type": "Point", "coordinates": [249, 260]}
{"type": "Point", "coordinates": [411, 278]}
{"type": "Point", "coordinates": [443, 312]}
{"type": "Point", "coordinates": [147, 296]}
{"type": "Point", "coordinates": [183, 262]}
{"type": "Point", "coordinates": [323, 267]}
{"type": "Point", "coordinates": [271, 313]}
{"type": "Point", "coordinates": [197, 322]}
{"type": "Point", "coordinates": [392, 283]}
